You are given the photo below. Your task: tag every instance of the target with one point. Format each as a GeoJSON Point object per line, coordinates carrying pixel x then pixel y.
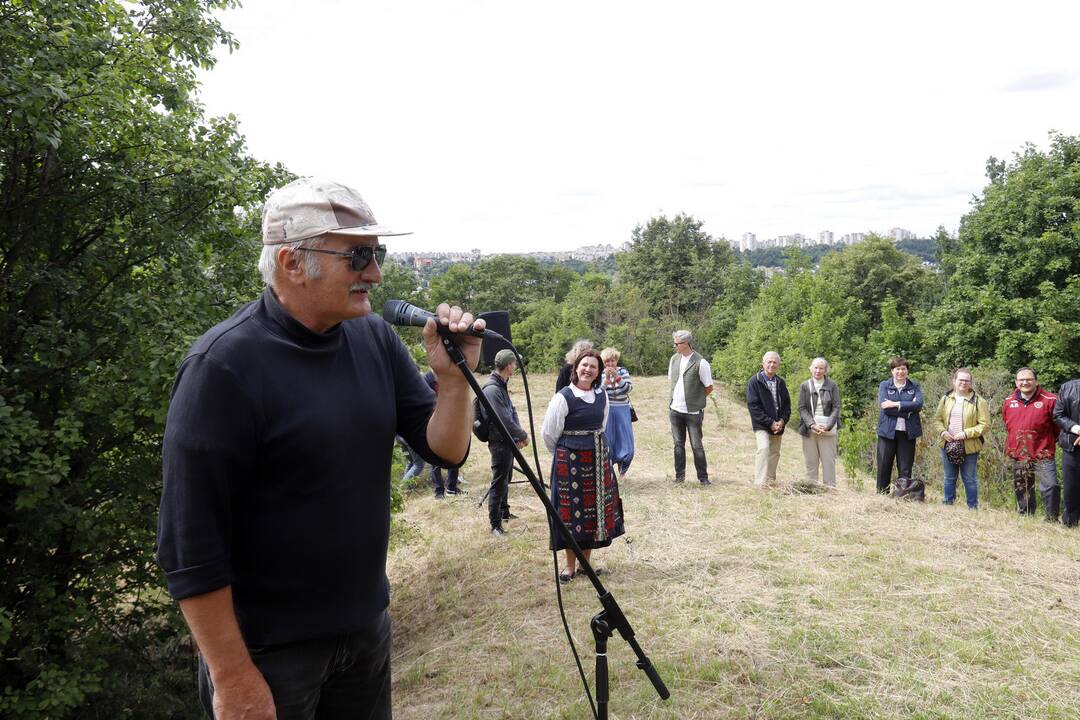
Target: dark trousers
{"type": "Point", "coordinates": [1025, 475]}
{"type": "Point", "coordinates": [338, 678]}
{"type": "Point", "coordinates": [900, 449]}
{"type": "Point", "coordinates": [502, 467]}
{"type": "Point", "coordinates": [1070, 485]}
{"type": "Point", "coordinates": [437, 480]}
{"type": "Point", "coordinates": [683, 424]}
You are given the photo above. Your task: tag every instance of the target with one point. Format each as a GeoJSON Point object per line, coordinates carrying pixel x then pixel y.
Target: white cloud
{"type": "Point", "coordinates": [518, 126]}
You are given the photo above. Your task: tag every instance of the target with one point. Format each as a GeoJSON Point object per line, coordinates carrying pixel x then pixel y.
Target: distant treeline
{"type": "Point", "coordinates": [424, 272]}
{"type": "Point", "coordinates": [926, 249]}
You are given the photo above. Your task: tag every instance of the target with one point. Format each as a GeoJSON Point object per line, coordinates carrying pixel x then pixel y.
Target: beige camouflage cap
{"type": "Point", "coordinates": [313, 206]}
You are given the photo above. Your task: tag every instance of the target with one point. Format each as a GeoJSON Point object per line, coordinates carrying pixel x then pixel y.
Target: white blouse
{"type": "Point", "coordinates": [557, 410]}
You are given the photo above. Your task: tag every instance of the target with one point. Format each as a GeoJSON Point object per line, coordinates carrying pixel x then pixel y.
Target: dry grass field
{"type": "Point", "coordinates": [751, 603]}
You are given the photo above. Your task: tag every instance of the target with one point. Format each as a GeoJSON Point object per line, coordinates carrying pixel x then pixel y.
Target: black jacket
{"type": "Point", "coordinates": [564, 376]}
{"type": "Point", "coordinates": [763, 411]}
{"type": "Point", "coordinates": [1067, 414]}
{"type": "Point", "coordinates": [499, 397]}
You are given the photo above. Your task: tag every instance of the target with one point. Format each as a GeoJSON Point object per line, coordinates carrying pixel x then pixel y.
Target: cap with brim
{"type": "Point", "coordinates": [309, 207]}
{"type": "Point", "coordinates": [504, 357]}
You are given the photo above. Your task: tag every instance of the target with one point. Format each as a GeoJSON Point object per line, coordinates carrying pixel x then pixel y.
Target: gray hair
{"type": "Point", "coordinates": [771, 352]}
{"type": "Point", "coordinates": [268, 264]}
{"type": "Point", "coordinates": [579, 347]}
{"type": "Point", "coordinates": [682, 336]}
{"type": "Point", "coordinates": [822, 360]}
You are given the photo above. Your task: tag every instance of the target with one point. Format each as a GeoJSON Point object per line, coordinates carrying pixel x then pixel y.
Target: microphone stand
{"type": "Point", "coordinates": [611, 618]}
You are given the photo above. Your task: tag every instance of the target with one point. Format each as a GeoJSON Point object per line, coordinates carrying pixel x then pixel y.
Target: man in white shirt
{"type": "Point", "coordinates": [691, 382]}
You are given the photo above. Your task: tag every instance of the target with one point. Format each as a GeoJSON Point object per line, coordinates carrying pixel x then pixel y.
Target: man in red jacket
{"type": "Point", "coordinates": [1030, 444]}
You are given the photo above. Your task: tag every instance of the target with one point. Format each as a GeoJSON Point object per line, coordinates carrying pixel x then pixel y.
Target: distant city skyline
{"type": "Point", "coordinates": [587, 253]}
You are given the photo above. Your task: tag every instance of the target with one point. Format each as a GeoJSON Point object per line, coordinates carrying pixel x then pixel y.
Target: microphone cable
{"type": "Point", "coordinates": [399, 312]}
{"type": "Point", "coordinates": [554, 553]}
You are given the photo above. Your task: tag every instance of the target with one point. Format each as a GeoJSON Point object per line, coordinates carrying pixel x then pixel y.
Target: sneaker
{"type": "Point", "coordinates": [456, 491]}
{"type": "Point", "coordinates": [679, 480]}
{"type": "Point", "coordinates": [439, 496]}
{"type": "Point", "coordinates": [509, 516]}
{"type": "Point", "coordinates": [497, 532]}
{"type": "Point", "coordinates": [706, 481]}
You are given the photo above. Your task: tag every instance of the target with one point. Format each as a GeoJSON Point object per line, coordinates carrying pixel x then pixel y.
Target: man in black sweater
{"type": "Point", "coordinates": [275, 514]}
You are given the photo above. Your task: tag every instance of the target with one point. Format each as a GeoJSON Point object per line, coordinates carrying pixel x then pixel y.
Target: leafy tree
{"type": "Point", "coordinates": [1016, 268]}
{"type": "Point", "coordinates": [926, 249]}
{"type": "Point", "coordinates": [676, 264]}
{"type": "Point", "coordinates": [502, 282]}
{"type": "Point", "coordinates": [741, 285]}
{"type": "Point", "coordinates": [874, 269]}
{"type": "Point", "coordinates": [945, 248]}
{"type": "Point", "coordinates": [608, 312]}
{"type": "Point", "coordinates": [547, 332]}
{"type": "Point", "coordinates": [128, 225]}
{"type": "Point", "coordinates": [800, 315]}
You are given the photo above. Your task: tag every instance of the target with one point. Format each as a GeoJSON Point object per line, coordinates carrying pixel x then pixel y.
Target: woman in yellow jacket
{"type": "Point", "coordinates": [961, 419]}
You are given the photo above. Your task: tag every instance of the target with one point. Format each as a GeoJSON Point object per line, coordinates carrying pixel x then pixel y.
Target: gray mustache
{"type": "Point", "coordinates": [363, 286]}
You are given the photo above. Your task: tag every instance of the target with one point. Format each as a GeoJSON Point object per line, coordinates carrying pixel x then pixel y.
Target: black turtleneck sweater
{"type": "Point", "coordinates": [277, 469]}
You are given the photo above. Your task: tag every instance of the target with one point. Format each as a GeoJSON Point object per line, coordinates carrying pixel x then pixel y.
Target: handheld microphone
{"type": "Point", "coordinates": [399, 312]}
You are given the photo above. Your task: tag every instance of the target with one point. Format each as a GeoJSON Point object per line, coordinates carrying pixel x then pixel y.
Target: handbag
{"type": "Point", "coordinates": [954, 451]}
{"type": "Point", "coordinates": [633, 414]}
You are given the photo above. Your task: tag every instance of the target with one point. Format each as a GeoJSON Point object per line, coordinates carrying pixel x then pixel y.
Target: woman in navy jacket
{"type": "Point", "coordinates": [900, 400]}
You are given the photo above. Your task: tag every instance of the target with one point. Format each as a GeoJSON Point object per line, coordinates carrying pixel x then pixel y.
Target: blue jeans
{"type": "Point", "coordinates": [335, 678]}
{"type": "Point", "coordinates": [450, 484]}
{"type": "Point", "coordinates": [967, 474]}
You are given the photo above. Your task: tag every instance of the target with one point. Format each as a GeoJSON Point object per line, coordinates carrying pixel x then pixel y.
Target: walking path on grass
{"type": "Point", "coordinates": [752, 603]}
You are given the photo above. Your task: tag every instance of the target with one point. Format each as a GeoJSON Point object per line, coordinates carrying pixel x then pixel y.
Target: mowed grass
{"type": "Point", "coordinates": [751, 603]}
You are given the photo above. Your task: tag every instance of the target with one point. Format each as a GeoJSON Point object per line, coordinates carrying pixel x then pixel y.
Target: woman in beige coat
{"type": "Point", "coordinates": [819, 420]}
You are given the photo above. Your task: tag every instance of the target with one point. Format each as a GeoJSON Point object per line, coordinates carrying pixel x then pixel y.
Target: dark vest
{"type": "Point", "coordinates": [582, 416]}
{"type": "Point", "coordinates": [692, 387]}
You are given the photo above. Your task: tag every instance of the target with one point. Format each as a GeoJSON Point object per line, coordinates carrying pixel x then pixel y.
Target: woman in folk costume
{"type": "Point", "coordinates": [584, 490]}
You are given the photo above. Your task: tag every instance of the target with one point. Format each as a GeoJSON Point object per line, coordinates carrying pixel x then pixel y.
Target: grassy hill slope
{"type": "Point", "coordinates": [752, 603]}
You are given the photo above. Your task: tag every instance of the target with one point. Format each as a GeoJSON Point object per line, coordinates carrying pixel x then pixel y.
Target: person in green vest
{"type": "Point", "coordinates": [691, 382]}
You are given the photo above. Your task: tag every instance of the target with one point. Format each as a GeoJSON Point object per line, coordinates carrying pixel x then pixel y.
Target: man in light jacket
{"type": "Point", "coordinates": [819, 420]}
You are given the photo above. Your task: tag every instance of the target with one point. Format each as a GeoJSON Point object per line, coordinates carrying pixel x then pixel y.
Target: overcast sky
{"type": "Point", "coordinates": [512, 126]}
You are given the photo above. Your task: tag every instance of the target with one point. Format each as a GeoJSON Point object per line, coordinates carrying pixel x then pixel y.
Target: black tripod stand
{"type": "Point", "coordinates": [611, 618]}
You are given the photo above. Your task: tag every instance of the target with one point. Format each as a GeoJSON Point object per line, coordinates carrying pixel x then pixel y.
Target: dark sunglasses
{"type": "Point", "coordinates": [359, 257]}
